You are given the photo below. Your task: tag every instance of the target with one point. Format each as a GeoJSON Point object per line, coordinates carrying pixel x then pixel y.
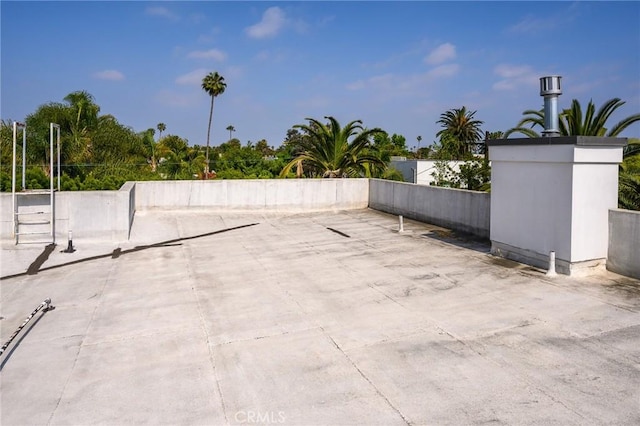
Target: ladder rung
{"type": "Point", "coordinates": [34, 192]}
{"type": "Point", "coordinates": [27, 213]}
{"type": "Point", "coordinates": [32, 233]}
{"type": "Point", "coordinates": [35, 222]}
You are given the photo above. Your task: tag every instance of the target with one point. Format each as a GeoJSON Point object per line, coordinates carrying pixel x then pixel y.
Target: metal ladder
{"type": "Point", "coordinates": [34, 209]}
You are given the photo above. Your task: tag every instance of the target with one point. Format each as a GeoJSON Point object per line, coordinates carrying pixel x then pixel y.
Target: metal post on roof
{"type": "Point", "coordinates": [550, 90]}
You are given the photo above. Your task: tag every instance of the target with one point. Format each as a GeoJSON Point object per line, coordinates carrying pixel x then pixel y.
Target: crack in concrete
{"type": "Point", "coordinates": [212, 360]}
{"type": "Point", "coordinates": [364, 376]}
{"type": "Point", "coordinates": [81, 345]}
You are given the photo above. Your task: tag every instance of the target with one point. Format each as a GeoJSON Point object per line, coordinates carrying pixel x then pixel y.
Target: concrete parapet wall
{"type": "Point", "coordinates": [624, 242]}
{"type": "Point", "coordinates": [105, 215]}
{"type": "Point", "coordinates": [255, 194]}
{"type": "Point", "coordinates": [458, 209]}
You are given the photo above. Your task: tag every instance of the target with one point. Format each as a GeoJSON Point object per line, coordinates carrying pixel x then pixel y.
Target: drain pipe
{"type": "Point", "coordinates": [551, 272]}
{"type": "Point", "coordinates": [69, 248]}
{"type": "Point", "coordinates": [44, 306]}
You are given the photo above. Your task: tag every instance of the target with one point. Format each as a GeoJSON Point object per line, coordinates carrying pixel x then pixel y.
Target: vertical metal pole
{"type": "Point", "coordinates": [13, 181]}
{"type": "Point", "coordinates": [24, 157]}
{"type": "Point", "coordinates": [58, 133]}
{"type": "Point", "coordinates": [51, 180]}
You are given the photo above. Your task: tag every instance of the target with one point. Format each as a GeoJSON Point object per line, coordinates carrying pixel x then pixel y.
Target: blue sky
{"type": "Point", "coordinates": [394, 65]}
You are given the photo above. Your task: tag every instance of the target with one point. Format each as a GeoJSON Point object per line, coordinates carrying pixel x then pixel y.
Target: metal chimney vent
{"type": "Point", "coordinates": [550, 90]}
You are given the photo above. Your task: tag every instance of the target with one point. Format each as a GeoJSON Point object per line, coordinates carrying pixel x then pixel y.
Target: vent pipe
{"type": "Point", "coordinates": [550, 90]}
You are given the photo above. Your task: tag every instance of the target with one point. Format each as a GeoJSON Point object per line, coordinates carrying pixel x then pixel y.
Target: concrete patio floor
{"type": "Point", "coordinates": [317, 318]}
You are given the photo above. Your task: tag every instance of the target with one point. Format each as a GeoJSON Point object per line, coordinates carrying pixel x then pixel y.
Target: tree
{"type": "Point", "coordinates": [84, 117]}
{"type": "Point", "coordinates": [213, 83]}
{"type": "Point", "coordinates": [335, 151]}
{"type": "Point", "coordinates": [386, 146]}
{"type": "Point", "coordinates": [231, 129]}
{"type": "Point", "coordinates": [572, 122]}
{"type": "Point", "coordinates": [262, 146]}
{"type": "Point", "coordinates": [161, 128]}
{"type": "Point", "coordinates": [460, 127]}
{"type": "Point", "coordinates": [629, 177]}
{"type": "Point", "coordinates": [419, 139]}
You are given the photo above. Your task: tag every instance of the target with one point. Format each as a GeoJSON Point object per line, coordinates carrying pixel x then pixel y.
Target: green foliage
{"type": "Point", "coordinates": [392, 173]}
{"type": "Point", "coordinates": [443, 175]}
{"type": "Point", "coordinates": [474, 175]}
{"type": "Point", "coordinates": [335, 151]}
{"type": "Point", "coordinates": [387, 146]}
{"type": "Point", "coordinates": [214, 84]}
{"type": "Point", "coordinates": [629, 177]}
{"type": "Point", "coordinates": [572, 122]}
{"type": "Point", "coordinates": [460, 131]}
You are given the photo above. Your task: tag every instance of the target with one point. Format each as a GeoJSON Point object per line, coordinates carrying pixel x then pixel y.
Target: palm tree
{"type": "Point", "coordinates": [231, 129]}
{"type": "Point", "coordinates": [161, 128]}
{"type": "Point", "coordinates": [329, 152]}
{"type": "Point", "coordinates": [83, 119]}
{"type": "Point", "coordinates": [419, 139]}
{"type": "Point", "coordinates": [629, 177]}
{"type": "Point", "coordinates": [573, 123]}
{"type": "Point", "coordinates": [213, 83]}
{"type": "Point", "coordinates": [460, 127]}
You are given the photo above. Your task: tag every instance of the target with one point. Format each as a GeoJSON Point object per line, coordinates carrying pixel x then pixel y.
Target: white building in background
{"type": "Point", "coordinates": [420, 171]}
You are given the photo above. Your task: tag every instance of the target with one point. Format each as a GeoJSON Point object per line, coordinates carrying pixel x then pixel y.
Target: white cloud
{"type": "Point", "coordinates": [273, 19]}
{"type": "Point", "coordinates": [214, 54]}
{"type": "Point", "coordinates": [315, 102]}
{"type": "Point", "coordinates": [176, 99]}
{"type": "Point", "coordinates": [356, 85]}
{"type": "Point", "coordinates": [160, 11]}
{"type": "Point", "coordinates": [411, 83]}
{"type": "Point", "coordinates": [193, 78]}
{"type": "Point", "coordinates": [446, 70]}
{"type": "Point", "coordinates": [112, 75]}
{"type": "Point", "coordinates": [532, 25]}
{"type": "Point", "coordinates": [443, 53]}
{"type": "Point", "coordinates": [515, 76]}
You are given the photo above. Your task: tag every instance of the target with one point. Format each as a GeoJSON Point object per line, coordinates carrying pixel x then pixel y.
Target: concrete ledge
{"type": "Point", "coordinates": [255, 194]}
{"type": "Point", "coordinates": [562, 140]}
{"type": "Point", "coordinates": [101, 215]}
{"type": "Point", "coordinates": [457, 209]}
{"type": "Point", "coordinates": [623, 255]}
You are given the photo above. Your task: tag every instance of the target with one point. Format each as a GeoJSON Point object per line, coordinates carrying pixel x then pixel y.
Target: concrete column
{"type": "Point", "coordinates": [554, 194]}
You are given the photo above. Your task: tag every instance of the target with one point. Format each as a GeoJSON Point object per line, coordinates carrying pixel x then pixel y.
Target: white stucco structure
{"type": "Point", "coordinates": [421, 171]}
{"type": "Point", "coordinates": [554, 194]}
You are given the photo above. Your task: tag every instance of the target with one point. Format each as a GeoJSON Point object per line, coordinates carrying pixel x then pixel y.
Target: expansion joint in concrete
{"type": "Point", "coordinates": [364, 376]}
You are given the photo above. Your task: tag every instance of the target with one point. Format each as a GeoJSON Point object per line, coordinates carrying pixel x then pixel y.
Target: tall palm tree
{"type": "Point", "coordinates": [460, 126]}
{"type": "Point", "coordinates": [161, 128]}
{"type": "Point", "coordinates": [231, 129]}
{"type": "Point", "coordinates": [333, 151]}
{"type": "Point", "coordinates": [573, 123]}
{"type": "Point", "coordinates": [213, 83]}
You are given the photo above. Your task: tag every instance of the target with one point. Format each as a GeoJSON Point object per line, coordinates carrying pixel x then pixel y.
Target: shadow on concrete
{"type": "Point", "coordinates": [17, 343]}
{"type": "Point", "coordinates": [460, 239]}
{"type": "Point", "coordinates": [35, 266]}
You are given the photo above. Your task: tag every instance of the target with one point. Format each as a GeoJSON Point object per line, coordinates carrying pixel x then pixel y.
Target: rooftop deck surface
{"type": "Point", "coordinates": [316, 318]}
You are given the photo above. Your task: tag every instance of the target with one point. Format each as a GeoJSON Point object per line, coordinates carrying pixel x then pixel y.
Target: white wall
{"type": "Point", "coordinates": [554, 197]}
{"type": "Point", "coordinates": [103, 215]}
{"type": "Point", "coordinates": [624, 242]}
{"type": "Point", "coordinates": [458, 209]}
{"type": "Point", "coordinates": [420, 171]}
{"type": "Point", "coordinates": [255, 194]}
